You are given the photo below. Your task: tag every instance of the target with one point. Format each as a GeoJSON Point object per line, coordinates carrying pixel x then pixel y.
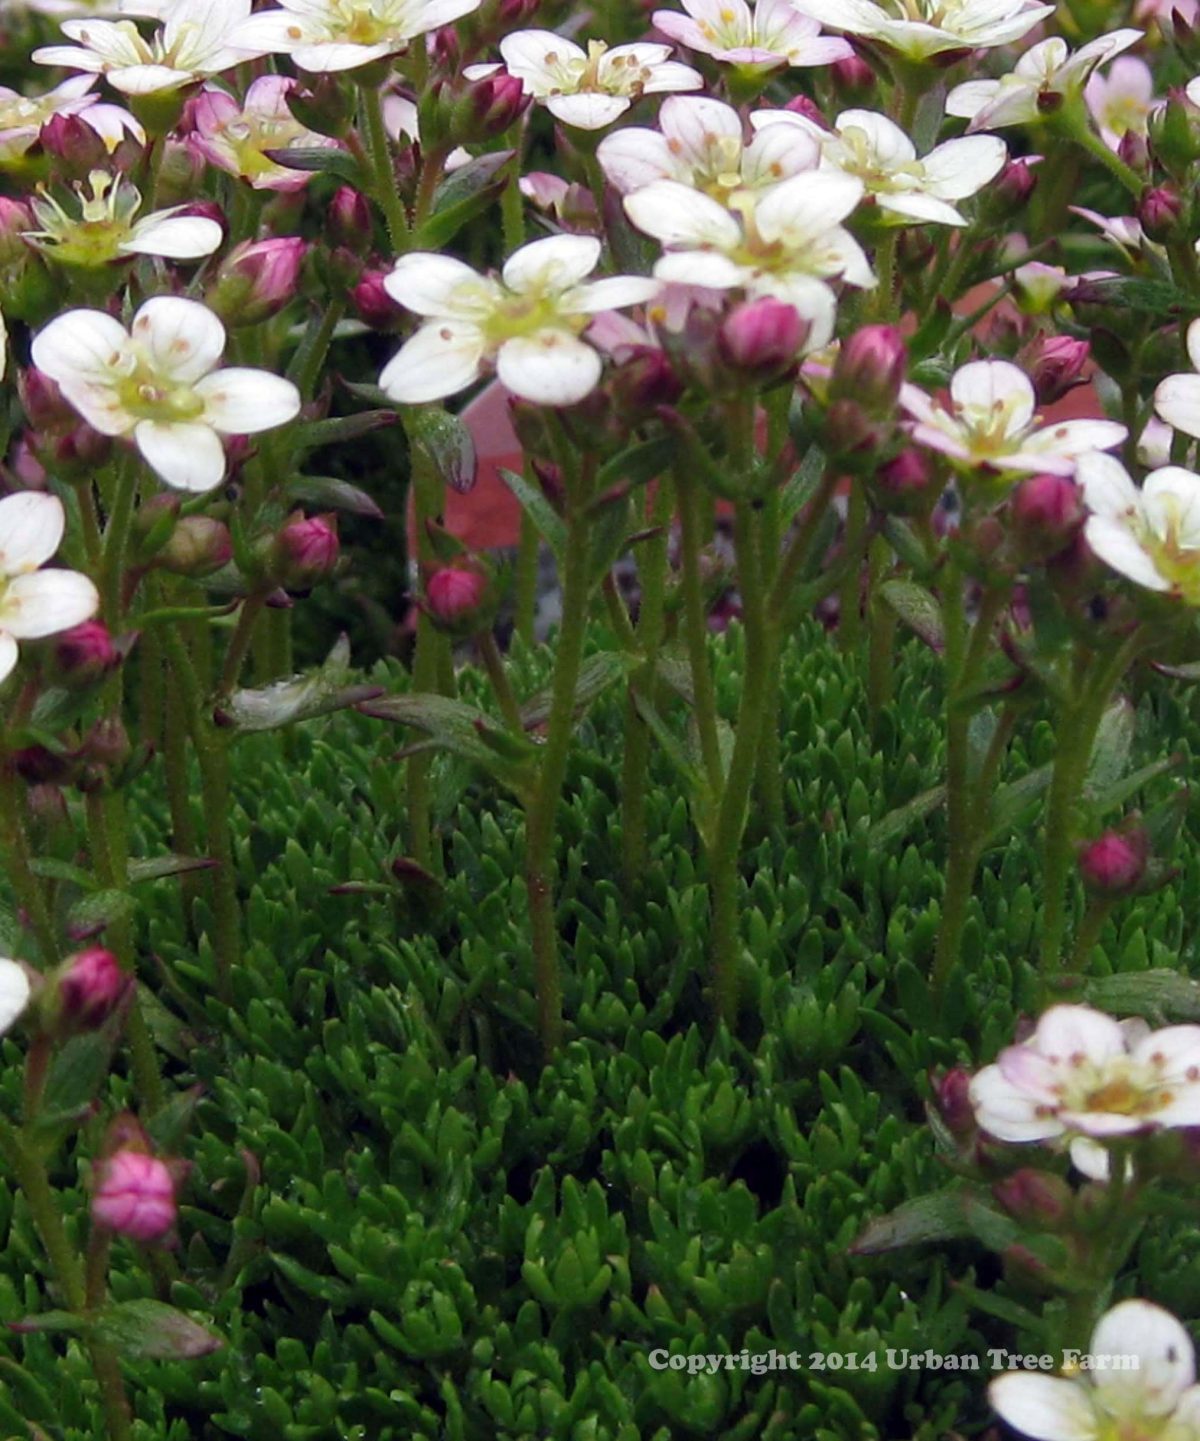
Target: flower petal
{"type": "Point", "coordinates": [85, 345]}
{"type": "Point", "coordinates": [187, 455]}
{"type": "Point", "coordinates": [553, 264]}
{"type": "Point", "coordinates": [31, 530]}
{"type": "Point", "coordinates": [551, 367]}
{"type": "Point", "coordinates": [183, 338]}
{"type": "Point", "coordinates": [1165, 1366]}
{"type": "Point", "coordinates": [180, 237]}
{"type": "Point", "coordinates": [45, 602]}
{"type": "Point", "coordinates": [14, 980]}
{"type": "Point", "coordinates": [611, 293]}
{"type": "Point", "coordinates": [1068, 1031]}
{"type": "Point", "coordinates": [1177, 401]}
{"type": "Point", "coordinates": [1112, 542]}
{"type": "Point", "coordinates": [239, 401]}
{"type": "Point", "coordinates": [8, 655]}
{"type": "Point", "coordinates": [677, 215]}
{"type": "Point", "coordinates": [441, 358]}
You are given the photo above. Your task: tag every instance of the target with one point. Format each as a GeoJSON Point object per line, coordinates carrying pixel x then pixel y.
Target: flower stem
{"type": "Point", "coordinates": [695, 622]}
{"type": "Point", "coordinates": [379, 153]}
{"type": "Point", "coordinates": [1072, 121]}
{"type": "Point", "coordinates": [493, 663]}
{"type": "Point", "coordinates": [239, 643]}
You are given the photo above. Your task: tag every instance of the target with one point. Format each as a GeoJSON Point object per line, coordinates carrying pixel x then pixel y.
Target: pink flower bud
{"type": "Point", "coordinates": [1134, 150]}
{"type": "Point", "coordinates": [1160, 211]}
{"type": "Point", "coordinates": [350, 219]}
{"type": "Point", "coordinates": [198, 546]}
{"type": "Point", "coordinates": [802, 105]}
{"type": "Point", "coordinates": [869, 369]}
{"type": "Point", "coordinates": [374, 305]}
{"type": "Point", "coordinates": [761, 339]}
{"type": "Point", "coordinates": [488, 108]}
{"type": "Point", "coordinates": [305, 551]}
{"type": "Point", "coordinates": [1010, 191]}
{"type": "Point", "coordinates": [91, 985]}
{"type": "Point", "coordinates": [16, 219]}
{"type": "Point", "coordinates": [908, 474]}
{"type": "Point", "coordinates": [644, 380]}
{"type": "Point", "coordinates": [1114, 865]}
{"type": "Point", "coordinates": [44, 404]}
{"type": "Point", "coordinates": [853, 78]}
{"type": "Point", "coordinates": [953, 1099]}
{"type": "Point", "coordinates": [257, 279]}
{"type": "Point", "coordinates": [84, 655]}
{"type": "Point", "coordinates": [107, 743]}
{"type": "Point", "coordinates": [454, 595]}
{"type": "Point", "coordinates": [135, 1196]}
{"type": "Point", "coordinates": [72, 142]}
{"type": "Point", "coordinates": [1038, 1198]}
{"type": "Point", "coordinates": [1058, 367]}
{"type": "Point", "coordinates": [1046, 512]}
{"type": "Point", "coordinates": [206, 210]}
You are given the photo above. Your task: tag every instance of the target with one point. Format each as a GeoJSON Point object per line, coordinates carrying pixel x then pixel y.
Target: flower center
{"type": "Point", "coordinates": [859, 157]}
{"type": "Point", "coordinates": [991, 427]}
{"type": "Point", "coordinates": [1171, 542]}
{"type": "Point", "coordinates": [148, 396]}
{"type": "Point", "coordinates": [357, 22]}
{"type": "Point", "coordinates": [95, 235]}
{"type": "Point", "coordinates": [525, 313]}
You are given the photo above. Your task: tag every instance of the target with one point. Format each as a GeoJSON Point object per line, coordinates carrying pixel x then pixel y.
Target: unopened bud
{"type": "Point", "coordinates": [456, 599]}
{"type": "Point", "coordinates": [1009, 193]}
{"type": "Point", "coordinates": [1134, 150]}
{"type": "Point", "coordinates": [644, 380]}
{"type": "Point", "coordinates": [1114, 864]}
{"type": "Point", "coordinates": [107, 743]}
{"type": "Point", "coordinates": [198, 546]}
{"type": "Point", "coordinates": [952, 1095]}
{"type": "Point", "coordinates": [1160, 211]}
{"type": "Point", "coordinates": [488, 108]}
{"type": "Point", "coordinates": [1058, 367]}
{"type": "Point", "coordinates": [761, 339]}
{"type": "Point", "coordinates": [1037, 1198]}
{"type": "Point", "coordinates": [76, 148]}
{"type": "Point", "coordinates": [257, 279]}
{"type": "Point", "coordinates": [853, 78]}
{"type": "Point", "coordinates": [350, 219]}
{"type": "Point", "coordinates": [44, 404]}
{"type": "Point", "coordinates": [802, 105]}
{"type": "Point", "coordinates": [1174, 133]}
{"type": "Point", "coordinates": [135, 1196]}
{"type": "Point", "coordinates": [88, 987]}
{"type": "Point", "coordinates": [1046, 513]}
{"type": "Point", "coordinates": [373, 303]}
{"type": "Point", "coordinates": [305, 551]}
{"type": "Point", "coordinates": [84, 655]}
{"type": "Point", "coordinates": [869, 369]}
{"type": "Point", "coordinates": [903, 484]}
{"type": "Point", "coordinates": [322, 104]}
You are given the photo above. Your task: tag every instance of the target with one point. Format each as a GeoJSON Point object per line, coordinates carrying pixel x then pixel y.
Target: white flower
{"type": "Point", "coordinates": [870, 146]}
{"type": "Point", "coordinates": [194, 42]}
{"type": "Point", "coordinates": [587, 88]}
{"type": "Point", "coordinates": [236, 136]}
{"type": "Point", "coordinates": [1046, 69]}
{"type": "Point", "coordinates": [528, 322]}
{"type": "Point", "coordinates": [1177, 399]}
{"type": "Point", "coordinates": [159, 383]}
{"type": "Point", "coordinates": [701, 143]}
{"type": "Point", "coordinates": [106, 227]}
{"type": "Point", "coordinates": [990, 423]}
{"type": "Point", "coordinates": [22, 116]}
{"type": "Point", "coordinates": [773, 33]}
{"type": "Point", "coordinates": [921, 28]}
{"type": "Point", "coordinates": [1151, 1393]}
{"type": "Point", "coordinates": [333, 35]}
{"type": "Point", "coordinates": [787, 241]}
{"type": "Point", "coordinates": [1121, 101]}
{"type": "Point", "coordinates": [1151, 535]}
{"type": "Point", "coordinates": [1085, 1077]}
{"type": "Point", "coordinates": [14, 992]}
{"type": "Point", "coordinates": [1123, 231]}
{"type": "Point", "coordinates": [34, 603]}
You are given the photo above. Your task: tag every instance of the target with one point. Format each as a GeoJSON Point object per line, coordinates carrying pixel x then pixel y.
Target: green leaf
{"type": "Point", "coordinates": [1160, 995]}
{"type": "Point", "coordinates": [546, 520]}
{"type": "Point", "coordinates": [338, 429]}
{"type": "Point", "coordinates": [1151, 297]}
{"type": "Point", "coordinates": [156, 867]}
{"type": "Point", "coordinates": [1012, 800]}
{"type": "Point", "coordinates": [327, 492]}
{"type": "Point", "coordinates": [942, 1216]}
{"type": "Point", "coordinates": [1110, 753]}
{"type": "Point", "coordinates": [461, 729]}
{"type": "Point", "coordinates": [444, 443]}
{"type": "Point", "coordinates": [918, 608]}
{"type": "Point", "coordinates": [299, 698]}
{"type": "Point", "coordinates": [320, 160]}
{"type": "Point", "coordinates": [78, 1071]}
{"type": "Point", "coordinates": [95, 912]}
{"type": "Point", "coordinates": [596, 674]}
{"type": "Point", "coordinates": [889, 828]}
{"type": "Point", "coordinates": [153, 1330]}
{"type": "Point", "coordinates": [464, 194]}
{"type": "Point", "coordinates": [640, 463]}
{"type": "Point", "coordinates": [802, 484]}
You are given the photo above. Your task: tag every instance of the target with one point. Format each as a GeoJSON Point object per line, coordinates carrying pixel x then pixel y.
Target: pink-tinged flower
{"type": "Point", "coordinates": [329, 36]}
{"type": "Point", "coordinates": [36, 602]}
{"type": "Point", "coordinates": [91, 985]}
{"type": "Point", "coordinates": [1047, 74]}
{"type": "Point", "coordinates": [135, 1196]}
{"type": "Point", "coordinates": [873, 148]}
{"type": "Point", "coordinates": [1140, 1384]}
{"type": "Point", "coordinates": [194, 42]}
{"type": "Point", "coordinates": [701, 143]}
{"type": "Point", "coordinates": [1037, 286]}
{"type": "Point", "coordinates": [786, 242]}
{"type": "Point", "coordinates": [257, 279]}
{"type": "Point", "coordinates": [306, 550]}
{"type": "Point", "coordinates": [762, 36]}
{"type": "Point", "coordinates": [919, 29]}
{"type": "Point", "coordinates": [1164, 9]}
{"type": "Point", "coordinates": [528, 322]}
{"type": "Point", "coordinates": [588, 88]}
{"type": "Point", "coordinates": [1085, 1078]}
{"type": "Point", "coordinates": [1122, 231]}
{"type": "Point", "coordinates": [1177, 399]}
{"type": "Point", "coordinates": [236, 138]}
{"type": "Point", "coordinates": [1152, 535]}
{"type": "Point", "coordinates": [990, 423]}
{"type": "Point", "coordinates": [22, 116]}
{"type": "Point", "coordinates": [761, 338]}
{"type": "Point", "coordinates": [1121, 101]}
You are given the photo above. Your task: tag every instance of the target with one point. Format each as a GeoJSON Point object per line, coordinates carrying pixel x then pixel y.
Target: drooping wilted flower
{"type": "Point", "coordinates": [528, 322]}
{"type": "Point", "coordinates": [159, 383]}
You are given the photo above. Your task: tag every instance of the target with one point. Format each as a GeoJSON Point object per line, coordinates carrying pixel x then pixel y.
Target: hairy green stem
{"type": "Point", "coordinates": [493, 663]}
{"type": "Point", "coordinates": [379, 154]}
{"type": "Point", "coordinates": [695, 624]}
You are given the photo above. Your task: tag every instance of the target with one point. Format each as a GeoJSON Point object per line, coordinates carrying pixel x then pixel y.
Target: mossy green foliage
{"type": "Point", "coordinates": [404, 1228]}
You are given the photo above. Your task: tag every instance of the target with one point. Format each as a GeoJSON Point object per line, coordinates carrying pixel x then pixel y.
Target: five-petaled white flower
{"type": "Point", "coordinates": [1147, 1390]}
{"type": "Point", "coordinates": [1151, 535]}
{"type": "Point", "coordinates": [1121, 102]}
{"type": "Point", "coordinates": [787, 242]}
{"type": "Point", "coordinates": [237, 136]}
{"type": "Point", "coordinates": [1045, 76]}
{"type": "Point", "coordinates": [1177, 399]}
{"type": "Point", "coordinates": [333, 35]}
{"type": "Point", "coordinates": [528, 322]}
{"type": "Point", "coordinates": [159, 383]}
{"type": "Point", "coordinates": [701, 143]}
{"type": "Point", "coordinates": [762, 37]}
{"type": "Point", "coordinates": [194, 42]}
{"type": "Point", "coordinates": [107, 227]}
{"type": "Point", "coordinates": [34, 602]}
{"type": "Point", "coordinates": [870, 146]}
{"type": "Point", "coordinates": [990, 423]}
{"type": "Point", "coordinates": [587, 88]}
{"type": "Point", "coordinates": [919, 29]}
{"type": "Point", "coordinates": [1085, 1078]}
